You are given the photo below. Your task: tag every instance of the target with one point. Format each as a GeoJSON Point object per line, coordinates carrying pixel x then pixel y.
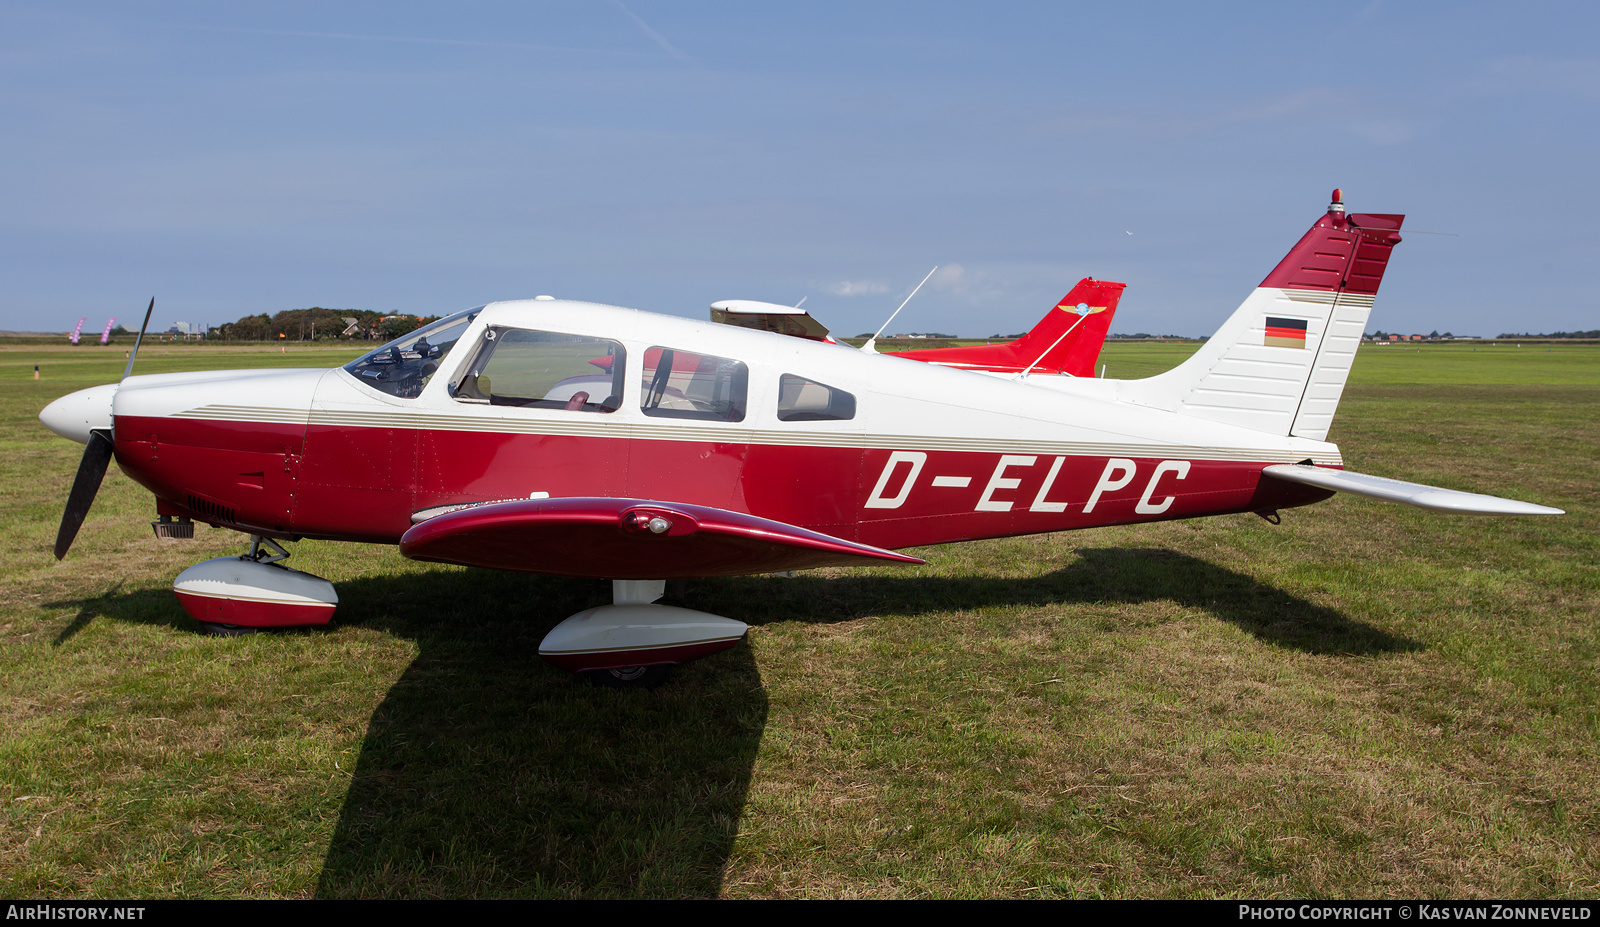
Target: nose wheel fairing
{"type": "Point", "coordinates": [255, 591]}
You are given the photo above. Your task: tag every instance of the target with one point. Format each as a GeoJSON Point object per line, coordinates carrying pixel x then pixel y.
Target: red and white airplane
{"type": "Point", "coordinates": [571, 438]}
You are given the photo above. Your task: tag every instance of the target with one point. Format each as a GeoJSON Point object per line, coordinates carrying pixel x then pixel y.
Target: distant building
{"type": "Point", "coordinates": [186, 331]}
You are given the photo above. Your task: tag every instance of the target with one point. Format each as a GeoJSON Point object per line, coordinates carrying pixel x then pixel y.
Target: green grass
{"type": "Point", "coordinates": [1367, 700]}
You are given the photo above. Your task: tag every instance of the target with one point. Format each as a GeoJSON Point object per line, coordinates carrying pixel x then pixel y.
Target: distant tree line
{"type": "Point", "coordinates": [1588, 334]}
{"type": "Point", "coordinates": [911, 335]}
{"type": "Point", "coordinates": [1381, 335]}
{"type": "Point", "coordinates": [319, 324]}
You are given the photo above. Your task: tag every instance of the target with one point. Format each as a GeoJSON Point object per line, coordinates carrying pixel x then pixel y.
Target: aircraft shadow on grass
{"type": "Point", "coordinates": [1098, 576]}
{"type": "Point", "coordinates": [485, 772]}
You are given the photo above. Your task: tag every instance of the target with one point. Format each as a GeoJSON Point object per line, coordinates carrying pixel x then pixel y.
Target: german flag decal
{"type": "Point", "coordinates": [1285, 333]}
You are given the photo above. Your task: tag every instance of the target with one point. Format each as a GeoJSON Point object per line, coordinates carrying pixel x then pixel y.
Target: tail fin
{"type": "Point", "coordinates": [1280, 362]}
{"type": "Point", "coordinates": [1067, 340]}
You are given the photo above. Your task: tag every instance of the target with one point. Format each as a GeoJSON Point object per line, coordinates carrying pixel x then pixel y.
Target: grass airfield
{"type": "Point", "coordinates": [1365, 701]}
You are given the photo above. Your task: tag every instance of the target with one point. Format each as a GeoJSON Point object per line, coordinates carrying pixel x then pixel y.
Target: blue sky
{"type": "Point", "coordinates": [241, 158]}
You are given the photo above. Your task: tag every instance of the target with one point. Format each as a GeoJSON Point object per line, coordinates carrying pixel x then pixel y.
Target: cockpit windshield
{"type": "Point", "coordinates": [405, 365]}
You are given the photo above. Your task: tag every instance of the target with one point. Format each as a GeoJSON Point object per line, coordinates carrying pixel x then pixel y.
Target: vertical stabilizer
{"type": "Point", "coordinates": [1066, 341]}
{"type": "Point", "coordinates": [1280, 362]}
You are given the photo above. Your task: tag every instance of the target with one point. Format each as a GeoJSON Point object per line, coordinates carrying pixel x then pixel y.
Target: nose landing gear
{"type": "Point", "coordinates": [230, 596]}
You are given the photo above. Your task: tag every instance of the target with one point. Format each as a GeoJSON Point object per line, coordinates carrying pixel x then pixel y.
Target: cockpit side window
{"type": "Point", "coordinates": [405, 365]}
{"type": "Point", "coordinates": [802, 400]}
{"type": "Point", "coordinates": [684, 384]}
{"type": "Point", "coordinates": [544, 370]}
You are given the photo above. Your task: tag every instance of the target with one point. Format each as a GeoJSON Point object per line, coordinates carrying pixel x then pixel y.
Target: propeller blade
{"type": "Point", "coordinates": [96, 457]}
{"type": "Point", "coordinates": [135, 352]}
{"type": "Point", "coordinates": [91, 470]}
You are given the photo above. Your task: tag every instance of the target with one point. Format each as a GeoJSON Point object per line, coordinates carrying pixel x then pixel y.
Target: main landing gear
{"type": "Point", "coordinates": [632, 643]}
{"type": "Point", "coordinates": [230, 596]}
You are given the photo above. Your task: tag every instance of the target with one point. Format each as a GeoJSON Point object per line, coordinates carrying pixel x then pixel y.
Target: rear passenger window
{"type": "Point", "coordinates": [683, 384]}
{"type": "Point", "coordinates": [802, 400]}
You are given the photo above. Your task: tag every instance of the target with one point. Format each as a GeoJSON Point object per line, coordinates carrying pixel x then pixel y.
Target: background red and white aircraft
{"type": "Point", "coordinates": [570, 438]}
{"type": "Point", "coordinates": [1066, 341]}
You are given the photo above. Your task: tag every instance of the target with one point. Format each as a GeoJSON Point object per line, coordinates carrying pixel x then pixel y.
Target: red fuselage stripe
{"type": "Point", "coordinates": [363, 484]}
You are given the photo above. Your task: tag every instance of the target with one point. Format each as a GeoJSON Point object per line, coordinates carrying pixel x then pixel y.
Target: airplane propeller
{"type": "Point", "coordinates": [92, 468]}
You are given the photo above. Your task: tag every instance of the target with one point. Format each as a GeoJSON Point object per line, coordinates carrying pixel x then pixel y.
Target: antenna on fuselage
{"type": "Point", "coordinates": [127, 371]}
{"type": "Point", "coordinates": [868, 347]}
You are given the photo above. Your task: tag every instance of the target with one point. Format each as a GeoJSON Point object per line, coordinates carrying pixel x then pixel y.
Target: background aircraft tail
{"type": "Point", "coordinates": [1280, 362]}
{"type": "Point", "coordinates": [1067, 340]}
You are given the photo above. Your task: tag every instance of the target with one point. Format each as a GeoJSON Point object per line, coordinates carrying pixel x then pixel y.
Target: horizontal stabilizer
{"type": "Point", "coordinates": [1432, 498]}
{"type": "Point", "coordinates": [607, 538]}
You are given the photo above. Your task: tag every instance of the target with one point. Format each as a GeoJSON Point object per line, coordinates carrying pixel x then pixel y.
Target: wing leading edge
{"type": "Point", "coordinates": [605, 538]}
{"type": "Point", "coordinates": [1432, 498]}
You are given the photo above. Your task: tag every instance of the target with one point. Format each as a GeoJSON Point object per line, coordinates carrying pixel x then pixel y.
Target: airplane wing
{"type": "Point", "coordinates": [1424, 497]}
{"type": "Point", "coordinates": [606, 538]}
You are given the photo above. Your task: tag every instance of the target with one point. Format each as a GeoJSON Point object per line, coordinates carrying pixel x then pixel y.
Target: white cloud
{"type": "Point", "coordinates": [949, 277]}
{"type": "Point", "coordinates": [1579, 77]}
{"type": "Point", "coordinates": [966, 283]}
{"type": "Point", "coordinates": [857, 288]}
